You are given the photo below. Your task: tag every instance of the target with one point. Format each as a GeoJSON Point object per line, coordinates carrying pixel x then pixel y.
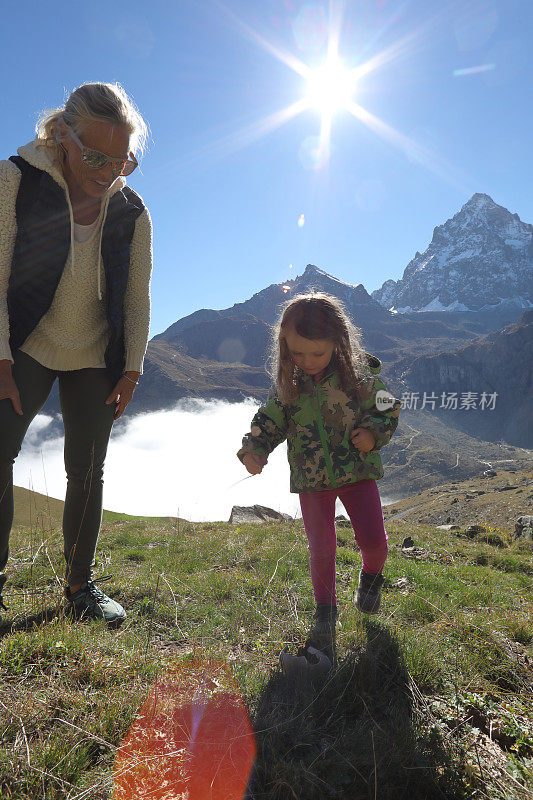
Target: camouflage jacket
{"type": "Point", "coordinates": [317, 426]}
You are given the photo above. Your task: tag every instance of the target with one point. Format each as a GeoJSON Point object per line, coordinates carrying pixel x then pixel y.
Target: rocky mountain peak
{"type": "Point", "coordinates": [312, 271]}
{"type": "Point", "coordinates": [479, 200]}
{"type": "Point", "coordinates": [480, 258]}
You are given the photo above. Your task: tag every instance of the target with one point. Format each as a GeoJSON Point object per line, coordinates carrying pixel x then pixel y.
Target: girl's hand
{"type": "Point", "coordinates": [363, 439]}
{"type": "Point", "coordinates": [8, 387]}
{"type": "Point", "coordinates": [254, 463]}
{"type": "Point", "coordinates": [123, 392]}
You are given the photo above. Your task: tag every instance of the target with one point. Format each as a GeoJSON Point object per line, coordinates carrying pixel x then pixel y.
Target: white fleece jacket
{"type": "Point", "coordinates": [73, 333]}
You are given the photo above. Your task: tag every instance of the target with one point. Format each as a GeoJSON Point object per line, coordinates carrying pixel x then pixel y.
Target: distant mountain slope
{"type": "Point", "coordinates": [203, 333]}
{"type": "Point", "coordinates": [265, 304]}
{"type": "Point", "coordinates": [171, 375]}
{"type": "Point", "coordinates": [500, 362]}
{"type": "Point", "coordinates": [481, 258]}
{"type": "Point", "coordinates": [241, 339]}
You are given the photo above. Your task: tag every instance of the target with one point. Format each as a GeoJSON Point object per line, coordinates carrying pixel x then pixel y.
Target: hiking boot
{"type": "Point", "coordinates": [368, 597]}
{"type": "Point", "coordinates": [90, 602]}
{"type": "Point", "coordinates": [322, 632]}
{"type": "Point", "coordinates": [3, 579]}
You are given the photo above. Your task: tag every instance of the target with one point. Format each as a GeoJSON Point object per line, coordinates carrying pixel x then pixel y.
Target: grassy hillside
{"type": "Point", "coordinates": [39, 512]}
{"type": "Point", "coordinates": [492, 501]}
{"type": "Point", "coordinates": [429, 700]}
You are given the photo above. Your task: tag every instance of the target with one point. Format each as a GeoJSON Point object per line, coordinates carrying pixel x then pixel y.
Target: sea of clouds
{"type": "Point", "coordinates": [166, 463]}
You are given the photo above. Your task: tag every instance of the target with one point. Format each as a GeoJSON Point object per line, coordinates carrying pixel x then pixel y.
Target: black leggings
{"type": "Point", "coordinates": [88, 422]}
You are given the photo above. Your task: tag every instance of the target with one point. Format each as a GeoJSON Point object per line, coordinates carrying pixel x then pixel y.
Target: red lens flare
{"type": "Point", "coordinates": [191, 740]}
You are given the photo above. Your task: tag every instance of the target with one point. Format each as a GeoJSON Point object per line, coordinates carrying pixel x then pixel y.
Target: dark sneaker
{"type": "Point", "coordinates": [368, 597]}
{"type": "Point", "coordinates": [322, 632]}
{"type": "Point", "coordinates": [90, 602]}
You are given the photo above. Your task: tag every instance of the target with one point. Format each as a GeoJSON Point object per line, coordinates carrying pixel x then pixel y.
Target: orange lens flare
{"type": "Point", "coordinates": [191, 739]}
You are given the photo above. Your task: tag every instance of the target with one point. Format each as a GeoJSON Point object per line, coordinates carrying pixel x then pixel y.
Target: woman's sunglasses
{"type": "Point", "coordinates": [94, 159]}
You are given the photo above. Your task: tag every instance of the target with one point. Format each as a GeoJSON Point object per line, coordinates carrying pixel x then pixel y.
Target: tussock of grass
{"type": "Point", "coordinates": [397, 715]}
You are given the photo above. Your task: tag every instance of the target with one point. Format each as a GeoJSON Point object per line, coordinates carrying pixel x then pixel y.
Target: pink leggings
{"type": "Point", "coordinates": [363, 506]}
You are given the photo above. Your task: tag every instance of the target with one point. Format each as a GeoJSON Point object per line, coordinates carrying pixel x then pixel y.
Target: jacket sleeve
{"type": "Point", "coordinates": [9, 186]}
{"type": "Point", "coordinates": [268, 429]}
{"type": "Point", "coordinates": [137, 299]}
{"type": "Point", "coordinates": [381, 419]}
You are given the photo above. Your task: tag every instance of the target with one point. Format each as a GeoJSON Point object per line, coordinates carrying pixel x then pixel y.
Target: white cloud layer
{"type": "Point", "coordinates": [169, 462]}
{"type": "Point", "coordinates": [173, 462]}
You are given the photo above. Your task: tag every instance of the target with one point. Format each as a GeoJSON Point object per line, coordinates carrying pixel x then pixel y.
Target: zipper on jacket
{"type": "Point", "coordinates": [322, 434]}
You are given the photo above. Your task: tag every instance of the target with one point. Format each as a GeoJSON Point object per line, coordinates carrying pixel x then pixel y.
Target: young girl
{"type": "Point", "coordinates": [324, 404]}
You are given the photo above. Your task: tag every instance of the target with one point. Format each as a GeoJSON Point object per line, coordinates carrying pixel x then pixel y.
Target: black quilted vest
{"type": "Point", "coordinates": [41, 251]}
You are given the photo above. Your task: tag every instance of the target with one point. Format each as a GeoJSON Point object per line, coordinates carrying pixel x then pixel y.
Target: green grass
{"type": "Point", "coordinates": [454, 644]}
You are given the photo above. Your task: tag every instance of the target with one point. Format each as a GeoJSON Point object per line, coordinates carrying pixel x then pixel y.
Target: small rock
{"type": "Point", "coordinates": [408, 542]}
{"type": "Point", "coordinates": [523, 529]}
{"type": "Point", "coordinates": [402, 583]}
{"type": "Point", "coordinates": [473, 530]}
{"type": "Point", "coordinates": [447, 527]}
{"type": "Point", "coordinates": [256, 514]}
{"type": "Point", "coordinates": [505, 488]}
{"type": "Point", "coordinates": [489, 473]}
{"type": "Point", "coordinates": [418, 553]}
{"type": "Point", "coordinates": [342, 522]}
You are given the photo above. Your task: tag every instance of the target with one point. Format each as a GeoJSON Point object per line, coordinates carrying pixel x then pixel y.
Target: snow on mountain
{"type": "Point", "coordinates": [481, 258]}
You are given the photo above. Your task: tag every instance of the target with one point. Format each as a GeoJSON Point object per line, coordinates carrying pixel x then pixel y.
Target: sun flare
{"type": "Point", "coordinates": [333, 87]}
{"type": "Point", "coordinates": [330, 87]}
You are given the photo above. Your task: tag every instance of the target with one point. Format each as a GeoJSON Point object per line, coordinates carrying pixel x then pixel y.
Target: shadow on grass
{"type": "Point", "coordinates": [31, 620]}
{"type": "Point", "coordinates": [357, 737]}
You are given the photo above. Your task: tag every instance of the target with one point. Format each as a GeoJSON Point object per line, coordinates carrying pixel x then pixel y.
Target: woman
{"type": "Point", "coordinates": [75, 266]}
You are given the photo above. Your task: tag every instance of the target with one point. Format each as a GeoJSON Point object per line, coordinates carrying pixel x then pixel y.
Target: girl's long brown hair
{"type": "Point", "coordinates": [318, 316]}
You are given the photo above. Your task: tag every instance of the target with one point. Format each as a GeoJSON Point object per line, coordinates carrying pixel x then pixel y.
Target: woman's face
{"type": "Point", "coordinates": [113, 140]}
{"type": "Point", "coordinates": [310, 355]}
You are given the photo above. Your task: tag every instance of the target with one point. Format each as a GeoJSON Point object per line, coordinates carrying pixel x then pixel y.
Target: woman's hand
{"type": "Point", "coordinates": [8, 387]}
{"type": "Point", "coordinates": [123, 392]}
{"type": "Point", "coordinates": [363, 439]}
{"type": "Point", "coordinates": [254, 463]}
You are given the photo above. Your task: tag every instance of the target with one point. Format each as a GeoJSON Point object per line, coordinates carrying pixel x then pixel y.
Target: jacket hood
{"type": "Point", "coordinates": [374, 363]}
{"type": "Point", "coordinates": [42, 157]}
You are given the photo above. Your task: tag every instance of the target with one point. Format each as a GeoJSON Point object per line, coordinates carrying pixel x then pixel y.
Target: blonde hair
{"type": "Point", "coordinates": [318, 316]}
{"type": "Point", "coordinates": [103, 102]}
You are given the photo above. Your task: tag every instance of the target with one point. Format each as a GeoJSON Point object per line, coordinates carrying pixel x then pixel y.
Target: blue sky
{"type": "Point", "coordinates": [225, 200]}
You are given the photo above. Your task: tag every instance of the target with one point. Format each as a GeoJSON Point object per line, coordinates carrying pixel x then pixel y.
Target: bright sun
{"type": "Point", "coordinates": [330, 87]}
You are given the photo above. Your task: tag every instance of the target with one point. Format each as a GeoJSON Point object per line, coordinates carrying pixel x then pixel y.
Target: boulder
{"type": "Point", "coordinates": [256, 515]}
{"type": "Point", "coordinates": [523, 528]}
{"type": "Point", "coordinates": [473, 530]}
